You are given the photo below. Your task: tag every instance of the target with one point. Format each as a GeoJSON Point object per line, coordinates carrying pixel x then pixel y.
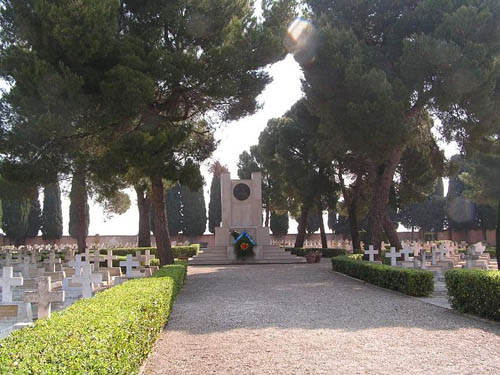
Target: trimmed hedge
{"type": "Point", "coordinates": [179, 251]}
{"type": "Point", "coordinates": [327, 253]}
{"type": "Point", "coordinates": [475, 292]}
{"type": "Point", "coordinates": [111, 333]}
{"type": "Point", "coordinates": [408, 281]}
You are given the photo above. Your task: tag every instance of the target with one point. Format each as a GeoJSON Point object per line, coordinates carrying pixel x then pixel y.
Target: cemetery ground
{"type": "Point", "coordinates": [306, 319]}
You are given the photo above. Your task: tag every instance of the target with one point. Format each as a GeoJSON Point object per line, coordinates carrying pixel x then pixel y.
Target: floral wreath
{"type": "Point", "coordinates": [243, 244]}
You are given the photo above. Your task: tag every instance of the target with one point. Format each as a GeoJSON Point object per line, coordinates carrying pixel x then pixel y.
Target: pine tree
{"type": "Point", "coordinates": [371, 72]}
{"type": "Point", "coordinates": [279, 223]}
{"type": "Point", "coordinates": [194, 212]}
{"type": "Point", "coordinates": [35, 217]}
{"type": "Point", "coordinates": [52, 222]}
{"type": "Point", "coordinates": [15, 219]}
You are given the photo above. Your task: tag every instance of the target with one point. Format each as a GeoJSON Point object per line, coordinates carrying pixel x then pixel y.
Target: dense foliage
{"type": "Point", "coordinates": [173, 204]}
{"type": "Point", "coordinates": [417, 283]}
{"type": "Point", "coordinates": [52, 221]}
{"type": "Point", "coordinates": [475, 292]}
{"type": "Point", "coordinates": [178, 251]}
{"type": "Point", "coordinates": [15, 218]}
{"type": "Point", "coordinates": [111, 333]}
{"type": "Point", "coordinates": [35, 216]}
{"type": "Point", "coordinates": [374, 70]}
{"type": "Point", "coordinates": [279, 223]}
{"type": "Point", "coordinates": [194, 212]}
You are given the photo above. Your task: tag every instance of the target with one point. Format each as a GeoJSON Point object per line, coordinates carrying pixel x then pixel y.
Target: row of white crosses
{"type": "Point", "coordinates": [406, 251]}
{"type": "Point", "coordinates": [43, 296]}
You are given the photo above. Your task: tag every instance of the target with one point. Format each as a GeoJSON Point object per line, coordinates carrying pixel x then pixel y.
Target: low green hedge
{"type": "Point", "coordinates": [179, 251]}
{"type": "Point", "coordinates": [408, 281]}
{"type": "Point", "coordinates": [475, 292]}
{"type": "Point", "coordinates": [111, 333]}
{"type": "Point", "coordinates": [327, 253]}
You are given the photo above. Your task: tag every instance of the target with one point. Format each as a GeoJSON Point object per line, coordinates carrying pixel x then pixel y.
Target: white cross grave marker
{"type": "Point", "coordinates": [7, 282]}
{"type": "Point", "coordinates": [110, 257]}
{"type": "Point", "coordinates": [423, 259]}
{"type": "Point", "coordinates": [129, 264]}
{"type": "Point", "coordinates": [77, 264]}
{"type": "Point", "coordinates": [433, 259]}
{"type": "Point", "coordinates": [393, 255]}
{"type": "Point", "coordinates": [146, 258]}
{"type": "Point", "coordinates": [371, 252]}
{"type": "Point", "coordinates": [87, 280]}
{"type": "Point", "coordinates": [26, 266]}
{"type": "Point", "coordinates": [44, 296]}
{"type": "Point", "coordinates": [406, 252]}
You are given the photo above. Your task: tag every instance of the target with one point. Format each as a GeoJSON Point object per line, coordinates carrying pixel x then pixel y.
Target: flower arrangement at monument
{"type": "Point", "coordinates": [243, 244]}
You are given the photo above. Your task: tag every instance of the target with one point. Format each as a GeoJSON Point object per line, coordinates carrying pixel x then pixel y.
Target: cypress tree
{"type": "Point", "coordinates": [279, 223]}
{"type": "Point", "coordinates": [52, 224]}
{"type": "Point", "coordinates": [194, 212]}
{"type": "Point", "coordinates": [215, 205]}
{"type": "Point", "coordinates": [174, 206]}
{"type": "Point", "coordinates": [78, 192]}
{"type": "Point", "coordinates": [15, 219]}
{"type": "Point", "coordinates": [35, 217]}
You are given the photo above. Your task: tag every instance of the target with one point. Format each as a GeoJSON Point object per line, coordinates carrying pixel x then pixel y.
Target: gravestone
{"type": "Point", "coordinates": [371, 253]}
{"type": "Point", "coordinates": [393, 255]}
{"type": "Point", "coordinates": [44, 297]}
{"type": "Point", "coordinates": [7, 282]}
{"type": "Point", "coordinates": [129, 265]}
{"type": "Point", "coordinates": [406, 253]}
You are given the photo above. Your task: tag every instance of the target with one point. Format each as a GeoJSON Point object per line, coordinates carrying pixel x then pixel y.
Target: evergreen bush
{"type": "Point", "coordinates": [417, 283]}
{"type": "Point", "coordinates": [111, 333]}
{"type": "Point", "coordinates": [475, 292]}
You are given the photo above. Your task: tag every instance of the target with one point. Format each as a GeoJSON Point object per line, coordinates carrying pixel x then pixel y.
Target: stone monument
{"type": "Point", "coordinates": [241, 202]}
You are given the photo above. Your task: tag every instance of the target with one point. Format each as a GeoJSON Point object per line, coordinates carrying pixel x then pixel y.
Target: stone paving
{"type": "Point", "coordinates": [305, 319]}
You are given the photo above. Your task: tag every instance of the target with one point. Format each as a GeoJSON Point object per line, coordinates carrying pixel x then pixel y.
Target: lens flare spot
{"type": "Point", "coordinates": [301, 41]}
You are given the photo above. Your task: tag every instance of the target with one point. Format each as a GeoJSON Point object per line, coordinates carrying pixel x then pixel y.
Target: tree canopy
{"type": "Point", "coordinates": [373, 69]}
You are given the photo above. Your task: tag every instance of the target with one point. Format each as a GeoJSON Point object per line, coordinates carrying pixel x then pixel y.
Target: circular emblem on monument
{"type": "Point", "coordinates": [241, 192]}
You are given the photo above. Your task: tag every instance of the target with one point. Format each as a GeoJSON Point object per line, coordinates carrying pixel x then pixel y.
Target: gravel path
{"type": "Point", "coordinates": [305, 319]}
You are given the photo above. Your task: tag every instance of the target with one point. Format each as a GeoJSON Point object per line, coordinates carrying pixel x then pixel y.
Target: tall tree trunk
{"type": "Point", "coordinates": [352, 212]}
{"type": "Point", "coordinates": [391, 232]}
{"type": "Point", "coordinates": [412, 231]}
{"type": "Point", "coordinates": [268, 214]}
{"type": "Point", "coordinates": [144, 206]}
{"type": "Point", "coordinates": [351, 200]}
{"type": "Point", "coordinates": [301, 235]}
{"type": "Point", "coordinates": [498, 235]}
{"type": "Point", "coordinates": [161, 226]}
{"type": "Point", "coordinates": [382, 177]}
{"type": "Point", "coordinates": [324, 242]}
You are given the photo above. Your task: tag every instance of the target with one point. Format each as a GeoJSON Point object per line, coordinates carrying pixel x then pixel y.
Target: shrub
{"type": "Point", "coordinates": [327, 253]}
{"type": "Point", "coordinates": [404, 280]}
{"type": "Point", "coordinates": [475, 291]}
{"type": "Point", "coordinates": [179, 251]}
{"type": "Point", "coordinates": [111, 333]}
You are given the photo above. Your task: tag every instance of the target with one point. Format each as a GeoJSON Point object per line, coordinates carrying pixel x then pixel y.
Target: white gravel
{"type": "Point", "coordinates": [305, 319]}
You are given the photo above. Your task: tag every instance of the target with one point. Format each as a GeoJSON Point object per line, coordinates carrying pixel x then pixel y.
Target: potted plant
{"type": "Point", "coordinates": [318, 256]}
{"type": "Point", "coordinates": [311, 257]}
